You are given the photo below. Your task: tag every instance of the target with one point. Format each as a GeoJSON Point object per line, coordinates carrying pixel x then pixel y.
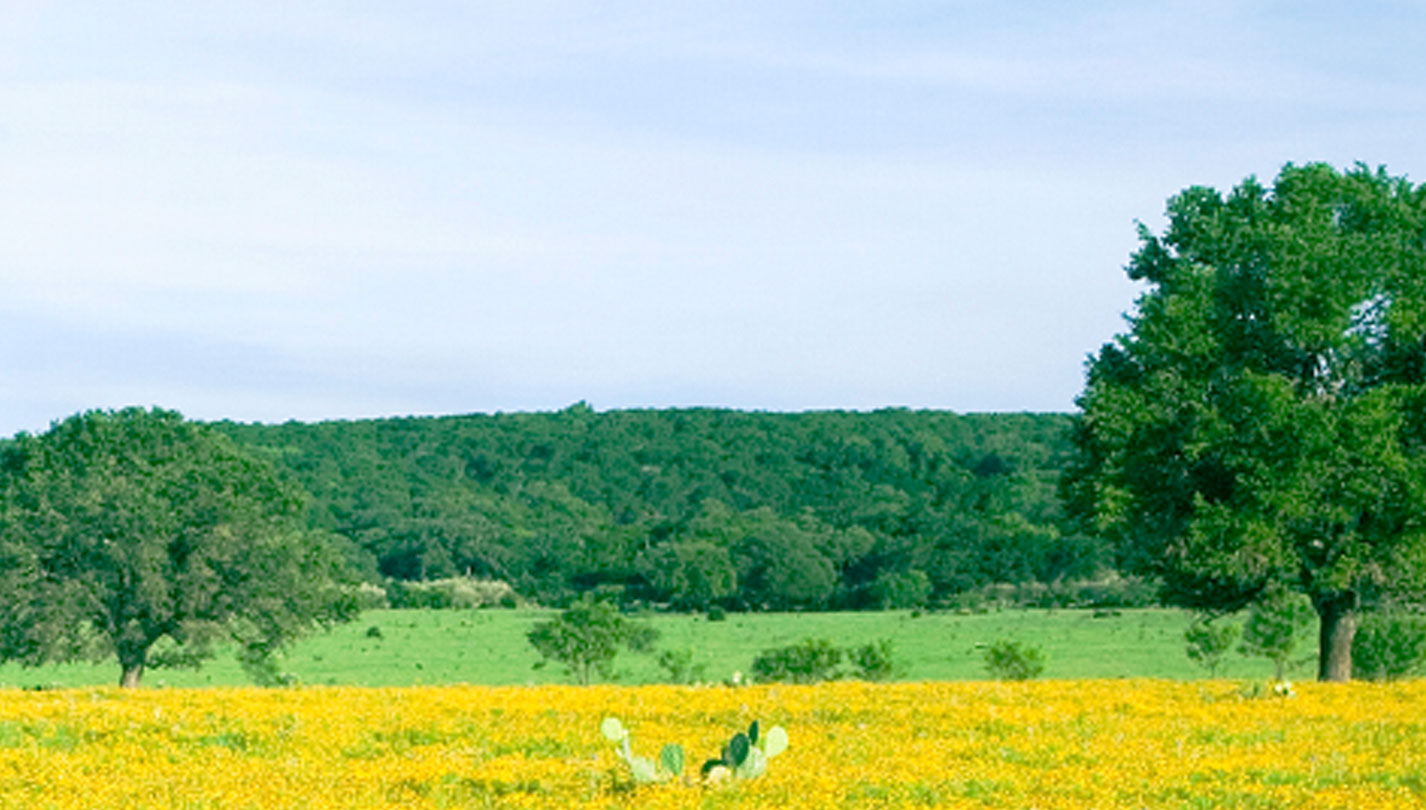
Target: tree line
{"type": "Point", "coordinates": [694, 508]}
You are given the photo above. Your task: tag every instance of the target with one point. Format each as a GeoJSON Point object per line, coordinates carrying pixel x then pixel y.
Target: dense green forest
{"type": "Point", "coordinates": [696, 507]}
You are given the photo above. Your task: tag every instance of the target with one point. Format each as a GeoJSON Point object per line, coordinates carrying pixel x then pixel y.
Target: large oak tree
{"type": "Point", "coordinates": [1263, 421]}
{"type": "Point", "coordinates": [138, 535]}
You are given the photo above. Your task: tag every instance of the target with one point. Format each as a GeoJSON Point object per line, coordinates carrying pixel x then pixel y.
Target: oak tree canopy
{"type": "Point", "coordinates": [140, 536]}
{"type": "Point", "coordinates": [1263, 421]}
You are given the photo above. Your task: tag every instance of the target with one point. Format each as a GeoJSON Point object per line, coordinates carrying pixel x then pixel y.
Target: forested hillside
{"type": "Point", "coordinates": [695, 507]}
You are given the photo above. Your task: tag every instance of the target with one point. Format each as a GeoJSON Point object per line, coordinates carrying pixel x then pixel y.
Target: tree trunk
{"type": "Point", "coordinates": [131, 675]}
{"type": "Point", "coordinates": [1338, 612]}
{"type": "Point", "coordinates": [132, 658]}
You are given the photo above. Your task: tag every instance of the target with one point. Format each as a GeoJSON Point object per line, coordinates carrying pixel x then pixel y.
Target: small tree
{"type": "Point", "coordinates": [1208, 643]}
{"type": "Point", "coordinates": [587, 637]}
{"type": "Point", "coordinates": [1276, 626]}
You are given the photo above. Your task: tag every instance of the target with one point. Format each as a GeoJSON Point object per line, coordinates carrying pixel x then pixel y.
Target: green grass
{"type": "Point", "coordinates": [489, 647]}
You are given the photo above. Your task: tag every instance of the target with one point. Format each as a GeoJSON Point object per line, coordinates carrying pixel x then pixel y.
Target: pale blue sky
{"type": "Point", "coordinates": [271, 211]}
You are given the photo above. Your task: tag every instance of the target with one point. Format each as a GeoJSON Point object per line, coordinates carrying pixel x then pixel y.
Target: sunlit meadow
{"type": "Point", "coordinates": [1049, 744]}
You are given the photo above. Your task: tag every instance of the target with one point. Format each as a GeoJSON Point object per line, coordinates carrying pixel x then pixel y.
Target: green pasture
{"type": "Point", "coordinates": [406, 647]}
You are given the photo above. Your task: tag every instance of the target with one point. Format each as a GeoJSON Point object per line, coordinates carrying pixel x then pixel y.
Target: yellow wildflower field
{"type": "Point", "coordinates": [1048, 744]}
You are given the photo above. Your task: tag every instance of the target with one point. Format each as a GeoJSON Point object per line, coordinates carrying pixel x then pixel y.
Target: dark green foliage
{"type": "Point", "coordinates": [1208, 642]}
{"type": "Point", "coordinates": [781, 568]}
{"type": "Point", "coordinates": [140, 536]}
{"type": "Point", "coordinates": [811, 661]}
{"type": "Point", "coordinates": [261, 663]}
{"type": "Point", "coordinates": [1263, 423]}
{"type": "Point", "coordinates": [893, 590]}
{"type": "Point", "coordinates": [874, 661]}
{"type": "Point", "coordinates": [1389, 645]}
{"type": "Point", "coordinates": [1010, 660]}
{"type": "Point", "coordinates": [736, 752]}
{"type": "Point", "coordinates": [689, 575]}
{"type": "Point", "coordinates": [695, 508]}
{"type": "Point", "coordinates": [587, 637]}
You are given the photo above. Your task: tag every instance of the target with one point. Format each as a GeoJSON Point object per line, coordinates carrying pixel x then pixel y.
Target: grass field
{"type": "Point", "coordinates": [1051, 745]}
{"type": "Point", "coordinates": [413, 647]}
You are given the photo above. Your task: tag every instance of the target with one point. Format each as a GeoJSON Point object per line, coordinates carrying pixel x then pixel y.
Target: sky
{"type": "Point", "coordinates": [264, 211]}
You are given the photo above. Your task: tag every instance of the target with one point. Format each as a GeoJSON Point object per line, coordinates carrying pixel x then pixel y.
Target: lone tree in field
{"type": "Point", "coordinates": [1263, 422]}
{"type": "Point", "coordinates": [138, 535]}
{"type": "Point", "coordinates": [587, 636]}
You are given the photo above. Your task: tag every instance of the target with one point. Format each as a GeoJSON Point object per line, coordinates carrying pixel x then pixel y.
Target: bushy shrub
{"type": "Point", "coordinates": [369, 596]}
{"type": "Point", "coordinates": [811, 661]}
{"type": "Point", "coordinates": [1106, 592]}
{"type": "Point", "coordinates": [1114, 591]}
{"type": "Point", "coordinates": [459, 593]}
{"type": "Point", "coordinates": [967, 602]}
{"type": "Point", "coordinates": [1010, 660]}
{"type": "Point", "coordinates": [1041, 595]}
{"type": "Point", "coordinates": [1002, 595]}
{"type": "Point", "coordinates": [1389, 646]}
{"type": "Point", "coordinates": [874, 661]}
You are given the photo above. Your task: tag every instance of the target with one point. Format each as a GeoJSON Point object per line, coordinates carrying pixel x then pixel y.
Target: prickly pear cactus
{"type": "Point", "coordinates": [745, 756]}
{"type": "Point", "coordinates": [643, 769]}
